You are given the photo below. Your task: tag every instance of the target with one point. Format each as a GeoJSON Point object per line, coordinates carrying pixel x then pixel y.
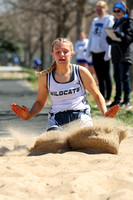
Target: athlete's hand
{"type": "Point", "coordinates": [112, 111]}
{"type": "Point", "coordinates": [21, 112]}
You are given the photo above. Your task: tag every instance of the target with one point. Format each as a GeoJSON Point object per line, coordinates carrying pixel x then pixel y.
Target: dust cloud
{"type": "Point", "coordinates": [105, 136]}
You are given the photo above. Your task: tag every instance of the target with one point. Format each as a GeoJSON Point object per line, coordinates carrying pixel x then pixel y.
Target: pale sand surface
{"type": "Point", "coordinates": [70, 175]}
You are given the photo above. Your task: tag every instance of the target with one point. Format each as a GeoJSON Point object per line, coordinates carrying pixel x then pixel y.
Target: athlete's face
{"type": "Point", "coordinates": [62, 53]}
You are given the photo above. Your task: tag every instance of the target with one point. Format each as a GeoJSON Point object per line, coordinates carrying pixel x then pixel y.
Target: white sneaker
{"type": "Point", "coordinates": [126, 105]}
{"type": "Point", "coordinates": [108, 102]}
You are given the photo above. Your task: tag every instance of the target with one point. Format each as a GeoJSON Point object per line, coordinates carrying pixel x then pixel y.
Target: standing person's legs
{"type": "Point", "coordinates": [118, 76]}
{"type": "Point", "coordinates": [127, 84]}
{"type": "Point", "coordinates": [107, 78]}
{"type": "Point", "coordinates": [98, 66]}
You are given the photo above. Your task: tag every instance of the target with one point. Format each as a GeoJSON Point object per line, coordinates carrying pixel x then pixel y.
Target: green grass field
{"type": "Point", "coordinates": [123, 114]}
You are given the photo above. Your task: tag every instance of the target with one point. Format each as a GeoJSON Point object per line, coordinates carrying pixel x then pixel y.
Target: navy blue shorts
{"type": "Point", "coordinates": [81, 61]}
{"type": "Point", "coordinates": [56, 121]}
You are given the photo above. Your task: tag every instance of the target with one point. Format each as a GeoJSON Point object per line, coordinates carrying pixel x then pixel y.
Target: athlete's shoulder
{"type": "Point", "coordinates": [42, 81]}
{"type": "Point", "coordinates": [82, 69]}
{"type": "Point", "coordinates": [42, 77]}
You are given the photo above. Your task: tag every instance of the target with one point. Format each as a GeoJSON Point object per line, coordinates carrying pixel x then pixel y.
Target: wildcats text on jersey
{"type": "Point", "coordinates": [65, 92]}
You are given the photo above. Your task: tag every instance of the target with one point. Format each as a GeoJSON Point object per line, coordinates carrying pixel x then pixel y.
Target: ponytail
{"type": "Point", "coordinates": [46, 71]}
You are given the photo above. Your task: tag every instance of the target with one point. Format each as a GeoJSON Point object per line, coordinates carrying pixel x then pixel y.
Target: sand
{"type": "Point", "coordinates": [65, 169]}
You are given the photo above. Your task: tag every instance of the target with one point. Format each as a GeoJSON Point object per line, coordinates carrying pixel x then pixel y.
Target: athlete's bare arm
{"type": "Point", "coordinates": [91, 87]}
{"type": "Point", "coordinates": [23, 112]}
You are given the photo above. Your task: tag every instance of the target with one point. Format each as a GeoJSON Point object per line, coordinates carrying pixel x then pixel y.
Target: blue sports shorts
{"type": "Point", "coordinates": [56, 121]}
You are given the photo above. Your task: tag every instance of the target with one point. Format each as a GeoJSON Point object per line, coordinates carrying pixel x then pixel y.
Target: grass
{"type": "Point", "coordinates": [31, 77]}
{"type": "Point", "coordinates": [123, 115]}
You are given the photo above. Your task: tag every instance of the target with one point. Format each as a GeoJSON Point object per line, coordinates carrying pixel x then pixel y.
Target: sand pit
{"type": "Point", "coordinates": [105, 136]}
{"type": "Point", "coordinates": [66, 167]}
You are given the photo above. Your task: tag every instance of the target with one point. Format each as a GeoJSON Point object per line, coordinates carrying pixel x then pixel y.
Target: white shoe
{"type": "Point", "coordinates": [108, 102]}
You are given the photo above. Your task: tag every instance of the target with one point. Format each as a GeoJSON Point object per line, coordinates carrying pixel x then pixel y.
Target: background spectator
{"type": "Point", "coordinates": [100, 50]}
{"type": "Point", "coordinates": [15, 60]}
{"type": "Point", "coordinates": [121, 53]}
{"type": "Point", "coordinates": [80, 50]}
{"type": "Point", "coordinates": [37, 64]}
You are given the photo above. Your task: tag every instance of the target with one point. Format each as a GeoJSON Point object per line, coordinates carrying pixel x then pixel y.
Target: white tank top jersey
{"type": "Point", "coordinates": [69, 95]}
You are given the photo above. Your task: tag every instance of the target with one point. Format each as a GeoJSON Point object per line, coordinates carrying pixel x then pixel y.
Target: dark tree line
{"type": "Point", "coordinates": [35, 24]}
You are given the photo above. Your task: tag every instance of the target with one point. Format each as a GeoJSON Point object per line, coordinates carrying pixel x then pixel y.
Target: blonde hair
{"type": "Point", "coordinates": [62, 40]}
{"type": "Point", "coordinates": [56, 41]}
{"type": "Point", "coordinates": [102, 4]}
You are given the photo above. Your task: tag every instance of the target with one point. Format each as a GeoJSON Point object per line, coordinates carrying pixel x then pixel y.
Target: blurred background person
{"type": "Point", "coordinates": [15, 60]}
{"type": "Point", "coordinates": [80, 50]}
{"type": "Point", "coordinates": [91, 69]}
{"type": "Point", "coordinates": [37, 64]}
{"type": "Point", "coordinates": [99, 49]}
{"type": "Point", "coordinates": [121, 53]}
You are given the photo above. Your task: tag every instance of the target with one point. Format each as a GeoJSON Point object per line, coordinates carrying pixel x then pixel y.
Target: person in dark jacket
{"type": "Point", "coordinates": [121, 53]}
